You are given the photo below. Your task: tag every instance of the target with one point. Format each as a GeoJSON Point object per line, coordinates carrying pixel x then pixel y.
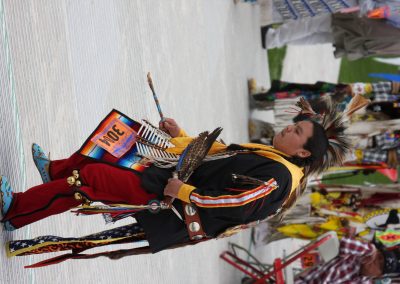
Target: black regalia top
{"type": "Point", "coordinates": [221, 202]}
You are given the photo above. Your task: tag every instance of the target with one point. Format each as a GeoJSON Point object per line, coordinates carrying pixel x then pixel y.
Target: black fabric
{"type": "Point", "coordinates": [392, 261]}
{"type": "Point", "coordinates": [388, 108]}
{"type": "Point", "coordinates": [264, 31]}
{"type": "Point", "coordinates": [213, 178]}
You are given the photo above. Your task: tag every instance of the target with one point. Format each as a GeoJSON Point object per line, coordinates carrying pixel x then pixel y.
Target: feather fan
{"type": "Point", "coordinates": [195, 152]}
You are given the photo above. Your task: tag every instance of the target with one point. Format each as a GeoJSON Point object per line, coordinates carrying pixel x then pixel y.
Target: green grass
{"type": "Point", "coordinates": [359, 179]}
{"type": "Point", "coordinates": [350, 71]}
{"type": "Point", "coordinates": [357, 71]}
{"type": "Point", "coordinates": [275, 62]}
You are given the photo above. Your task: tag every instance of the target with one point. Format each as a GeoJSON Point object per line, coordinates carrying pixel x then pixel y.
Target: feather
{"type": "Point", "coordinates": [339, 145]}
{"type": "Point", "coordinates": [195, 152]}
{"type": "Point", "coordinates": [356, 103]}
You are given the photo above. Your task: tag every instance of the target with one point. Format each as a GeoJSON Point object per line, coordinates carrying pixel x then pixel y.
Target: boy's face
{"type": "Point", "coordinates": [292, 139]}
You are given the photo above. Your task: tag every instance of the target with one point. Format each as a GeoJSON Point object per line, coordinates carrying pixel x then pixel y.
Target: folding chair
{"type": "Point", "coordinates": [327, 246]}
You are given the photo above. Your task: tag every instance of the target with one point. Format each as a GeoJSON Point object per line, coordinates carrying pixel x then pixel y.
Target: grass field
{"type": "Point", "coordinates": [358, 179]}
{"type": "Point", "coordinates": [275, 62]}
{"type": "Point", "coordinates": [350, 71]}
{"type": "Point", "coordinates": [357, 71]}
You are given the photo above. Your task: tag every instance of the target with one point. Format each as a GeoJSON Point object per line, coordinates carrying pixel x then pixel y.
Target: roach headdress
{"type": "Point", "coordinates": [334, 124]}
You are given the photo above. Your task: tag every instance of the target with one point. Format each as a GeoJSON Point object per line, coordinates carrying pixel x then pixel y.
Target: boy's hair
{"type": "Point", "coordinates": [317, 145]}
{"type": "Point", "coordinates": [328, 144]}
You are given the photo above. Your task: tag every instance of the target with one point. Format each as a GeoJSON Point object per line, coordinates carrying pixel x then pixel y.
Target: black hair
{"type": "Point", "coordinates": [317, 145]}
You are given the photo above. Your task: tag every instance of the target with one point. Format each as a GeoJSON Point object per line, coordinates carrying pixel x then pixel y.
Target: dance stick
{"type": "Point", "coordinates": [150, 82]}
{"type": "Point", "coordinates": [167, 203]}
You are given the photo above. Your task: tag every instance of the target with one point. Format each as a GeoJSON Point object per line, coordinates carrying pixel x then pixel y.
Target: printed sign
{"type": "Point", "coordinates": [116, 138]}
{"type": "Point", "coordinates": [309, 260]}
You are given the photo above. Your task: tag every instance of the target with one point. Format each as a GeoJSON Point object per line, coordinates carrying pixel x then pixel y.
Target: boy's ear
{"type": "Point", "coordinates": [303, 153]}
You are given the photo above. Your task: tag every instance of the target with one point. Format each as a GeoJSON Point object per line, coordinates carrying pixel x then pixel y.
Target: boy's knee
{"type": "Point", "coordinates": [93, 170]}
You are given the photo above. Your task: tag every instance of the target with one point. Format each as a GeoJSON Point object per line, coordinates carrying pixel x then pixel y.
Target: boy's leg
{"type": "Point", "coordinates": [63, 168]}
{"type": "Point", "coordinates": [40, 202]}
{"type": "Point", "coordinates": [110, 184]}
{"type": "Point", "coordinates": [100, 182]}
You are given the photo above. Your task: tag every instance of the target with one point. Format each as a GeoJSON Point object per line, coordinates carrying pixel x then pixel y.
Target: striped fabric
{"type": "Point", "coordinates": [375, 155]}
{"type": "Point", "coordinates": [129, 160]}
{"type": "Point", "coordinates": [234, 200]}
{"type": "Point", "coordinates": [383, 87]}
{"type": "Point", "coordinates": [383, 92]}
{"type": "Point", "coordinates": [383, 142]}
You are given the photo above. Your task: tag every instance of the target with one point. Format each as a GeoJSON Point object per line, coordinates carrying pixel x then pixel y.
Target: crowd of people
{"type": "Point", "coordinates": [328, 203]}
{"type": "Point", "coordinates": [356, 29]}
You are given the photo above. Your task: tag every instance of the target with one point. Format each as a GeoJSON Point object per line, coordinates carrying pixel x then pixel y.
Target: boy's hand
{"type": "Point", "coordinates": [172, 187]}
{"type": "Point", "coordinates": [170, 126]}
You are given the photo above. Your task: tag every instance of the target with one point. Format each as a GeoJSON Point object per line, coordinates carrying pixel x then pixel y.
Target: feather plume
{"type": "Point", "coordinates": [339, 145]}
{"type": "Point", "coordinates": [305, 107]}
{"type": "Point", "coordinates": [356, 103]}
{"type": "Point", "coordinates": [195, 152]}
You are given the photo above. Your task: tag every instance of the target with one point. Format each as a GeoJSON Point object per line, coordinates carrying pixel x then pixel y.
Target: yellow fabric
{"type": "Point", "coordinates": [318, 199]}
{"type": "Point", "coordinates": [333, 224]}
{"type": "Point", "coordinates": [302, 231]}
{"type": "Point", "coordinates": [305, 231]}
{"type": "Point", "coordinates": [359, 154]}
{"type": "Point", "coordinates": [182, 133]}
{"type": "Point", "coordinates": [368, 88]}
{"type": "Point", "coordinates": [181, 143]}
{"type": "Point", "coordinates": [364, 233]}
{"type": "Point", "coordinates": [184, 192]}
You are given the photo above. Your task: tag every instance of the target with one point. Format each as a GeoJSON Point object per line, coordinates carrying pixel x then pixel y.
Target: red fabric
{"type": "Point", "coordinates": [377, 198]}
{"type": "Point", "coordinates": [109, 184]}
{"type": "Point", "coordinates": [40, 202]}
{"type": "Point", "coordinates": [101, 182]}
{"type": "Point", "coordinates": [63, 168]}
